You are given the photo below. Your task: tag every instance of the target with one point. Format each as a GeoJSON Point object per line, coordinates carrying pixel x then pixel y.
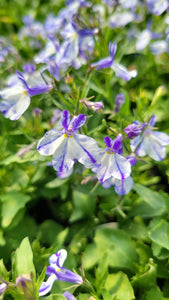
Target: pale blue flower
{"type": "Point", "coordinates": [112, 163]}
{"type": "Point", "coordinates": [67, 146]}
{"type": "Point", "coordinates": [108, 62]}
{"type": "Point", "coordinates": [16, 98]}
{"type": "Point", "coordinates": [157, 7]}
{"type": "Point", "coordinates": [151, 143]}
{"type": "Point", "coordinates": [55, 271]}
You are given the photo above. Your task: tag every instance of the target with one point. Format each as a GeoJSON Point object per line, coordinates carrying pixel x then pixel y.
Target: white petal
{"type": "Point", "coordinates": [51, 141]}
{"type": "Point", "coordinates": [120, 167]}
{"type": "Point", "coordinates": [161, 137]}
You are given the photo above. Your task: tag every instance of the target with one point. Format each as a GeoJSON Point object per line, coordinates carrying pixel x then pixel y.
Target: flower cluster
{"type": "Point", "coordinates": [69, 43]}
{"type": "Point", "coordinates": [68, 146]}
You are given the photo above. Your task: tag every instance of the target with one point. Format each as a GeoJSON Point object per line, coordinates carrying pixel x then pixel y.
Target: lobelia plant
{"type": "Point", "coordinates": [109, 204]}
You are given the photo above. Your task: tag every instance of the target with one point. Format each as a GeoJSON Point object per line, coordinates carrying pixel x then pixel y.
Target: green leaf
{"type": "Point", "coordinates": [160, 234]}
{"type": "Point", "coordinates": [12, 202]}
{"type": "Point", "coordinates": [55, 297]}
{"type": "Point", "coordinates": [84, 206]}
{"type": "Point", "coordinates": [120, 249]}
{"type": "Point", "coordinates": [91, 256]}
{"type": "Point", "coordinates": [2, 240]}
{"type": "Point", "coordinates": [147, 278]}
{"type": "Point", "coordinates": [119, 286]}
{"type": "Point", "coordinates": [3, 271]}
{"type": "Point", "coordinates": [24, 259]}
{"type": "Point", "coordinates": [40, 279]}
{"type": "Point", "coordinates": [154, 202]}
{"type": "Point", "coordinates": [154, 294]}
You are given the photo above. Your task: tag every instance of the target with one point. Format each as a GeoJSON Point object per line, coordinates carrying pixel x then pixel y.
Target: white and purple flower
{"type": "Point", "coordinates": [16, 98]}
{"type": "Point", "coordinates": [113, 166]}
{"type": "Point", "coordinates": [55, 271]}
{"type": "Point", "coordinates": [67, 146]}
{"type": "Point", "coordinates": [151, 143]}
{"type": "Point", "coordinates": [108, 62]}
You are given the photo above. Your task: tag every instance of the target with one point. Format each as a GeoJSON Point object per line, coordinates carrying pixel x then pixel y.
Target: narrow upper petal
{"type": "Point", "coordinates": [77, 122]}
{"type": "Point", "coordinates": [58, 258]}
{"type": "Point", "coordinates": [152, 121]}
{"type": "Point", "coordinates": [65, 119]}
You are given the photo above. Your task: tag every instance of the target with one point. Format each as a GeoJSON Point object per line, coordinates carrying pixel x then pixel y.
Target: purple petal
{"type": "Point", "coordinates": [118, 102]}
{"type": "Point", "coordinates": [22, 79]}
{"type": "Point", "coordinates": [133, 130]}
{"type": "Point", "coordinates": [108, 141]}
{"type": "Point", "coordinates": [152, 121]}
{"type": "Point", "coordinates": [112, 50]}
{"type": "Point", "coordinates": [65, 119]}
{"type": "Point", "coordinates": [39, 89]}
{"type": "Point", "coordinates": [103, 63]}
{"type": "Point", "coordinates": [117, 144]}
{"type": "Point", "coordinates": [64, 274]}
{"type": "Point", "coordinates": [77, 122]}
{"type": "Point", "coordinates": [69, 296]}
{"type": "Point", "coordinates": [87, 32]}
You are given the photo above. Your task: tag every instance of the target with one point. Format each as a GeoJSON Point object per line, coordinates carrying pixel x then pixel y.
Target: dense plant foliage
{"type": "Point", "coordinates": [84, 204]}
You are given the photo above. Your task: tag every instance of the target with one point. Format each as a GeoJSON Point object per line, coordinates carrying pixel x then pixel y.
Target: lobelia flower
{"type": "Point", "coordinates": [108, 62]}
{"type": "Point", "coordinates": [67, 146]}
{"type": "Point", "coordinates": [55, 271]}
{"type": "Point", "coordinates": [113, 165]}
{"type": "Point", "coordinates": [144, 37]}
{"type": "Point", "coordinates": [95, 106]}
{"type": "Point", "coordinates": [157, 7]}
{"type": "Point", "coordinates": [121, 19]}
{"type": "Point", "coordinates": [151, 143]}
{"type": "Point", "coordinates": [159, 47]}
{"type": "Point", "coordinates": [119, 101]}
{"type": "Point", "coordinates": [16, 98]}
{"type": "Point", "coordinates": [77, 42]}
{"type": "Point", "coordinates": [134, 129]}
